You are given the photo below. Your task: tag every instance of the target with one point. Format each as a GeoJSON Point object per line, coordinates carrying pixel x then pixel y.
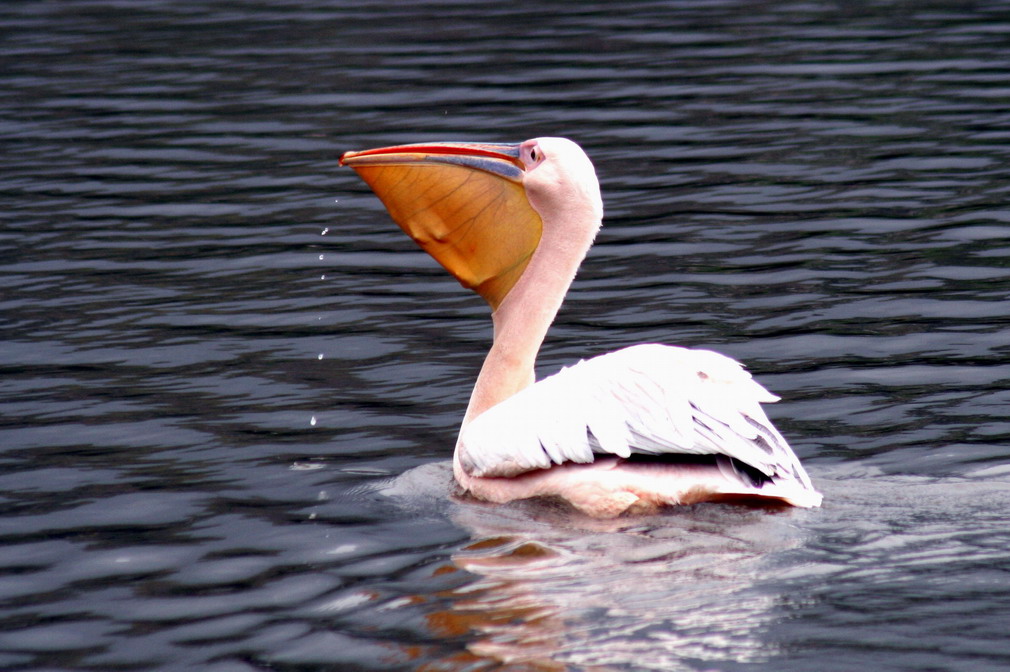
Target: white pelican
{"type": "Point", "coordinates": [629, 431]}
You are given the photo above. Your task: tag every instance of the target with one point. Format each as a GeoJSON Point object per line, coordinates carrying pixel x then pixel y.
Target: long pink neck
{"type": "Point", "coordinates": [524, 316]}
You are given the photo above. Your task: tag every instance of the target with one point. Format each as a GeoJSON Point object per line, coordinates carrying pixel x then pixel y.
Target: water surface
{"type": "Point", "coordinates": [230, 385]}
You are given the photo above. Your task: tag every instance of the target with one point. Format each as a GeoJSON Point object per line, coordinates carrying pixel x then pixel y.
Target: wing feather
{"type": "Point", "coordinates": [647, 399]}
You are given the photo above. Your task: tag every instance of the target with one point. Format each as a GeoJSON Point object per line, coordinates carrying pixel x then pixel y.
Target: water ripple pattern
{"type": "Point", "coordinates": [230, 385]}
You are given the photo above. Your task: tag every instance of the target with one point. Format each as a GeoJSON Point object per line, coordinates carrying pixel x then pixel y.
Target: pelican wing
{"type": "Point", "coordinates": [646, 399]}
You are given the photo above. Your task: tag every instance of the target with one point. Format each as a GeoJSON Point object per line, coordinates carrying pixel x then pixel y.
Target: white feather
{"type": "Point", "coordinates": [650, 399]}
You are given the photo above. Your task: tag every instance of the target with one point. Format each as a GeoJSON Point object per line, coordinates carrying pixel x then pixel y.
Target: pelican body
{"type": "Point", "coordinates": [630, 431]}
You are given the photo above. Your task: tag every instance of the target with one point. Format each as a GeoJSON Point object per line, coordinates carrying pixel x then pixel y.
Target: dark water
{"type": "Point", "coordinates": [222, 365]}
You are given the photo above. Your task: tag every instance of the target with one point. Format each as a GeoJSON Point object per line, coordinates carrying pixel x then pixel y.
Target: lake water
{"type": "Point", "coordinates": [230, 385]}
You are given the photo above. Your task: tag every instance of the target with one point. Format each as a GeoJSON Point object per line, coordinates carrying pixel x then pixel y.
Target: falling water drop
{"type": "Point", "coordinates": [325, 231]}
{"type": "Point", "coordinates": [312, 421]}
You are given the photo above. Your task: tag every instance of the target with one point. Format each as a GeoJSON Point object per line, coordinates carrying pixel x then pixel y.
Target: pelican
{"type": "Point", "coordinates": [631, 431]}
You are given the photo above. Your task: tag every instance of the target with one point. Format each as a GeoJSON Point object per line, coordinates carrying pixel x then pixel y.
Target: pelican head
{"type": "Point", "coordinates": [560, 180]}
{"type": "Point", "coordinates": [479, 208]}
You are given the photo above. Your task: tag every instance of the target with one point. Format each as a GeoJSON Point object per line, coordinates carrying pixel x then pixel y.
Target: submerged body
{"type": "Point", "coordinates": [611, 486]}
{"type": "Point", "coordinates": [629, 431]}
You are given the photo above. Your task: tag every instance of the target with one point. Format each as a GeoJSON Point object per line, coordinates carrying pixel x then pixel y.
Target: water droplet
{"type": "Point", "coordinates": [325, 231]}
{"type": "Point", "coordinates": [321, 257]}
{"type": "Point", "coordinates": [312, 421]}
{"type": "Point", "coordinates": [320, 355]}
{"type": "Point", "coordinates": [322, 277]}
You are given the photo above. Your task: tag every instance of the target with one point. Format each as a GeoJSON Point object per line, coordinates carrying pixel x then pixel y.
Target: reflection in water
{"type": "Point", "coordinates": [544, 588]}
{"type": "Point", "coordinates": [556, 588]}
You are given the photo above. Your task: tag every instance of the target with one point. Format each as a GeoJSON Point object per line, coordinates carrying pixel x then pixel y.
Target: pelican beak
{"type": "Point", "coordinates": [463, 203]}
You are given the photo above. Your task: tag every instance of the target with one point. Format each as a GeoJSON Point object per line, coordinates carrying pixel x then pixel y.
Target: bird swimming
{"type": "Point", "coordinates": [630, 431]}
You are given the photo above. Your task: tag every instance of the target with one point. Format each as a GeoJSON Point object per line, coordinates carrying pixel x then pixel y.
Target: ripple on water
{"type": "Point", "coordinates": [818, 191]}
